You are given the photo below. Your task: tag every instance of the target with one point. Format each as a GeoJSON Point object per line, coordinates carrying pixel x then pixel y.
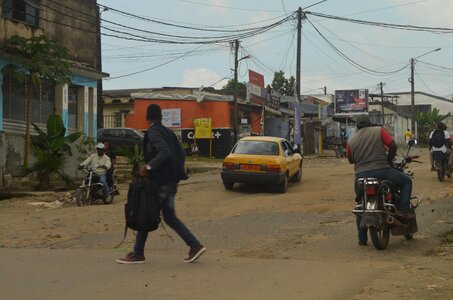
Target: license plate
{"type": "Point", "coordinates": [250, 167]}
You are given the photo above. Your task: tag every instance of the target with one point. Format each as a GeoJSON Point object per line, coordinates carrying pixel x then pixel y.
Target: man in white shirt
{"type": "Point", "coordinates": [436, 143]}
{"type": "Point", "coordinates": [100, 163]}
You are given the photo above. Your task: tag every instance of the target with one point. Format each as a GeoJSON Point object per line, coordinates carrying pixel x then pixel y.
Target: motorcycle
{"type": "Point", "coordinates": [92, 190]}
{"type": "Point", "coordinates": [376, 206]}
{"type": "Point", "coordinates": [340, 148]}
{"type": "Point", "coordinates": [441, 165]}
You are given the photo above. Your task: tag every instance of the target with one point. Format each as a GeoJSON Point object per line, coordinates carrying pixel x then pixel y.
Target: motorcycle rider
{"type": "Point", "coordinates": [446, 148]}
{"type": "Point", "coordinates": [100, 163]}
{"type": "Point", "coordinates": [366, 150]}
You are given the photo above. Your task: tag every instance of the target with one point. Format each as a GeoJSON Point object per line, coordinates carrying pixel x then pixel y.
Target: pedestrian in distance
{"type": "Point", "coordinates": [164, 159]}
{"type": "Point", "coordinates": [408, 136]}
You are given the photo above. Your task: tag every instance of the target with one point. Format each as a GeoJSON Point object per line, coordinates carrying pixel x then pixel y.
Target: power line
{"type": "Point", "coordinates": [154, 67]}
{"type": "Point", "coordinates": [386, 25]}
{"type": "Point", "coordinates": [228, 7]}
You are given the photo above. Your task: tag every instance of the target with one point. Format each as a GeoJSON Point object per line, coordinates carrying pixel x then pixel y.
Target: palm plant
{"type": "Point", "coordinates": [427, 122]}
{"type": "Point", "coordinates": [135, 158]}
{"type": "Point", "coordinates": [52, 149]}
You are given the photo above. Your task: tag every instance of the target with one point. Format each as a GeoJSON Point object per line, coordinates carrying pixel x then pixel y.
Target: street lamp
{"type": "Point", "coordinates": [413, 87]}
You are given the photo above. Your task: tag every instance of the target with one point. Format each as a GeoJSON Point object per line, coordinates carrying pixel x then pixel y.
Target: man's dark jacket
{"type": "Point", "coordinates": [164, 154]}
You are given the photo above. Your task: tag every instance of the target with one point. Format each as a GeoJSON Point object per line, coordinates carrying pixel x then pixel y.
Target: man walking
{"type": "Point", "coordinates": [164, 159]}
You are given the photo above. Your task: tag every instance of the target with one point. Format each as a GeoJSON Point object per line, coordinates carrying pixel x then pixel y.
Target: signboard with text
{"type": "Point", "coordinates": [351, 102]}
{"type": "Point", "coordinates": [171, 117]}
{"type": "Point", "coordinates": [203, 128]}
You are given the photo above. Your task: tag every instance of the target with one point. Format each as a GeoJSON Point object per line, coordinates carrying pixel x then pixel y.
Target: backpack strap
{"type": "Point", "coordinates": [124, 237]}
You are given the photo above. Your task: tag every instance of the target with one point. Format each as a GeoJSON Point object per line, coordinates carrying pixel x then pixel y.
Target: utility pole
{"type": "Point", "coordinates": [325, 90]}
{"type": "Point", "coordinates": [412, 97]}
{"type": "Point", "coordinates": [297, 112]}
{"type": "Point", "coordinates": [382, 104]}
{"type": "Point", "coordinates": [236, 49]}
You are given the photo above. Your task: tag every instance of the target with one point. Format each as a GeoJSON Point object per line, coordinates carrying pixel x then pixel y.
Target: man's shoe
{"type": "Point", "coordinates": [195, 253]}
{"type": "Point", "coordinates": [407, 215]}
{"type": "Point", "coordinates": [131, 258]}
{"type": "Point", "coordinates": [363, 243]}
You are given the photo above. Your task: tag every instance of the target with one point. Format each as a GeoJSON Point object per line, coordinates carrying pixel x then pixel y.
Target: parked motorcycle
{"type": "Point", "coordinates": [376, 206]}
{"type": "Point", "coordinates": [441, 164]}
{"type": "Point", "coordinates": [92, 189]}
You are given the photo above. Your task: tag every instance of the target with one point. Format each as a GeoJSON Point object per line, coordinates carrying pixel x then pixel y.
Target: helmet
{"type": "Point", "coordinates": [363, 121]}
{"type": "Point", "coordinates": [100, 146]}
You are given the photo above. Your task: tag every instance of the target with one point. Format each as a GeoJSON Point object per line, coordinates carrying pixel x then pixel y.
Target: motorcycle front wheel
{"type": "Point", "coordinates": [80, 197]}
{"type": "Point", "coordinates": [380, 238]}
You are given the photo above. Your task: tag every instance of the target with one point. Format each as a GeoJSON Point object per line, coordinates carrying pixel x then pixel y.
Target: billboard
{"type": "Point", "coordinates": [351, 102]}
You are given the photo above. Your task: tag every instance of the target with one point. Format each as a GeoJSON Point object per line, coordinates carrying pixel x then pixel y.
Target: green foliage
{"type": "Point", "coordinates": [241, 86]}
{"type": "Point", "coordinates": [52, 150]}
{"type": "Point", "coordinates": [85, 147]}
{"type": "Point", "coordinates": [135, 158]}
{"type": "Point", "coordinates": [282, 84]}
{"type": "Point", "coordinates": [427, 122]}
{"type": "Point", "coordinates": [36, 58]}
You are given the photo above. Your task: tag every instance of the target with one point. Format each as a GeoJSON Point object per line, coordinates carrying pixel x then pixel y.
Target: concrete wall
{"type": "Point", "coordinates": [443, 105]}
{"type": "Point", "coordinates": [73, 24]}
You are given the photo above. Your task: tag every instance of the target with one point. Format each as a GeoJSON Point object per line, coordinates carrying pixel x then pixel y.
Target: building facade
{"type": "Point", "coordinates": [74, 25]}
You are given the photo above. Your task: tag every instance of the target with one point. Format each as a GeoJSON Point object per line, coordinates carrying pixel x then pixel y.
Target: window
{"type": "Point", "coordinates": [112, 133]}
{"type": "Point", "coordinates": [26, 11]}
{"type": "Point", "coordinates": [14, 93]}
{"type": "Point", "coordinates": [256, 147]}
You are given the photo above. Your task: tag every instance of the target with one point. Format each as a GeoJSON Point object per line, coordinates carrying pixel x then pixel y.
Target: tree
{"type": "Point", "coordinates": [35, 59]}
{"type": "Point", "coordinates": [51, 149]}
{"type": "Point", "coordinates": [427, 122]}
{"type": "Point", "coordinates": [285, 86]}
{"type": "Point", "coordinates": [241, 86]}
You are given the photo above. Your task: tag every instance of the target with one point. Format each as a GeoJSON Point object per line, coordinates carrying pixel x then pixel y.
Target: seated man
{"type": "Point", "coordinates": [109, 152]}
{"type": "Point", "coordinates": [366, 150]}
{"type": "Point", "coordinates": [100, 163]}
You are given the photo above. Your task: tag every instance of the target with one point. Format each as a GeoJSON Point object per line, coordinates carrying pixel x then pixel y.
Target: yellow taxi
{"type": "Point", "coordinates": [262, 160]}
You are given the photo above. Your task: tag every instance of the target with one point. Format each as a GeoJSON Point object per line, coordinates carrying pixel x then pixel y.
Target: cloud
{"type": "Point", "coordinates": [202, 76]}
{"type": "Point", "coordinates": [439, 12]}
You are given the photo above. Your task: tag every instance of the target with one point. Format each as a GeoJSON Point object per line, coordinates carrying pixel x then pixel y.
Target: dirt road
{"type": "Point", "coordinates": [261, 245]}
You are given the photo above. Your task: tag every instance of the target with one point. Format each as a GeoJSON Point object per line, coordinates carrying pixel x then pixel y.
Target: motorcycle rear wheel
{"type": "Point", "coordinates": [380, 238]}
{"type": "Point", "coordinates": [440, 175]}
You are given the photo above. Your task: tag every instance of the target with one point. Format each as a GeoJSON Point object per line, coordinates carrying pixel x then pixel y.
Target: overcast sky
{"type": "Point", "coordinates": [375, 48]}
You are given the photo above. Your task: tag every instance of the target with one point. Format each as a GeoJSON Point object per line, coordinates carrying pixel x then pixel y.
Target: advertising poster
{"type": "Point", "coordinates": [171, 117]}
{"type": "Point", "coordinates": [351, 102]}
{"type": "Point", "coordinates": [203, 128]}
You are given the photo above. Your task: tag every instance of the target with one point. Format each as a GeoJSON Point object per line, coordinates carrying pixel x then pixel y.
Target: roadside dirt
{"type": "Point", "coordinates": [311, 221]}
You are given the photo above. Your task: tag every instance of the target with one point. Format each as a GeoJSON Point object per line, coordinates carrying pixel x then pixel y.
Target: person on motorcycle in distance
{"type": "Point", "coordinates": [100, 163]}
{"type": "Point", "coordinates": [446, 148]}
{"type": "Point", "coordinates": [366, 149]}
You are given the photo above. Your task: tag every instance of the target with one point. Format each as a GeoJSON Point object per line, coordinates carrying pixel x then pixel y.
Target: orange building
{"type": "Point", "coordinates": [219, 108]}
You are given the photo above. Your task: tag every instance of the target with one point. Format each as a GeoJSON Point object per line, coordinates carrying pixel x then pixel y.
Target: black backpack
{"type": "Point", "coordinates": [438, 138]}
{"type": "Point", "coordinates": [142, 209]}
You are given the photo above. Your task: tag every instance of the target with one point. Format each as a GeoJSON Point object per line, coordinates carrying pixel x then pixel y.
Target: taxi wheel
{"type": "Point", "coordinates": [298, 176]}
{"type": "Point", "coordinates": [282, 187]}
{"type": "Point", "coordinates": [228, 185]}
